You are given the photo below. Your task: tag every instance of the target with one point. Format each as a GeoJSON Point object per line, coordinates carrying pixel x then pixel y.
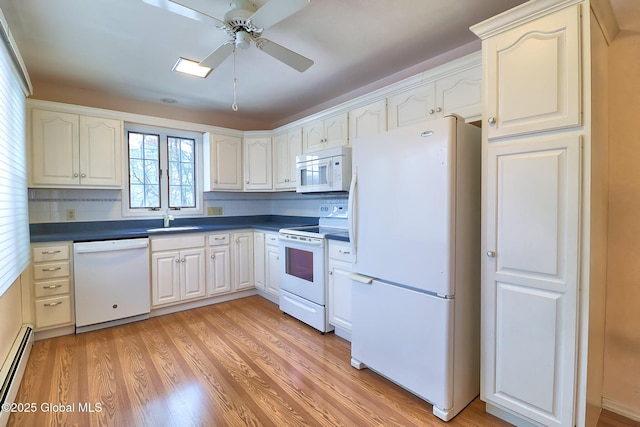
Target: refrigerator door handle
{"type": "Point", "coordinates": [360, 278]}
{"type": "Point", "coordinates": [352, 207]}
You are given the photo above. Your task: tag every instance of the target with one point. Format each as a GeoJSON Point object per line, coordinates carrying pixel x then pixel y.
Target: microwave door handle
{"type": "Point", "coordinates": [328, 173]}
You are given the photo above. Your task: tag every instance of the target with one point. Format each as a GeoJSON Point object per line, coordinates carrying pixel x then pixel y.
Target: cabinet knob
{"type": "Point", "coordinates": [215, 181]}
{"type": "Point", "coordinates": [177, 259]}
{"type": "Point", "coordinates": [491, 120]}
{"type": "Point", "coordinates": [491, 254]}
{"type": "Point", "coordinates": [246, 182]}
{"type": "Point", "coordinates": [439, 110]}
{"type": "Point", "coordinates": [432, 111]}
{"type": "Point", "coordinates": [84, 175]}
{"type": "Point", "coordinates": [75, 175]}
{"type": "Point", "coordinates": [213, 256]}
{"type": "Point", "coordinates": [182, 260]}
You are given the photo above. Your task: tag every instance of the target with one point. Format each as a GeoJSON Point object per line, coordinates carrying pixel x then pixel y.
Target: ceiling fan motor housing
{"type": "Point", "coordinates": [237, 19]}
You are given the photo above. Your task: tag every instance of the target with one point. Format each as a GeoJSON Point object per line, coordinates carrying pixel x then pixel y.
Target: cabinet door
{"type": "Point", "coordinates": [461, 93]}
{"type": "Point", "coordinates": [336, 130]}
{"type": "Point", "coordinates": [257, 164]}
{"type": "Point", "coordinates": [100, 151]}
{"type": "Point", "coordinates": [368, 120]}
{"type": "Point", "coordinates": [243, 260]}
{"type": "Point", "coordinates": [218, 270]}
{"type": "Point", "coordinates": [193, 284]}
{"type": "Point", "coordinates": [530, 274]}
{"type": "Point", "coordinates": [412, 106]}
{"type": "Point", "coordinates": [259, 258]}
{"type": "Point", "coordinates": [226, 162]}
{"type": "Point", "coordinates": [340, 294]}
{"type": "Point", "coordinates": [533, 76]}
{"type": "Point", "coordinates": [272, 270]}
{"type": "Point", "coordinates": [165, 277]}
{"type": "Point", "coordinates": [54, 148]}
{"type": "Point", "coordinates": [313, 137]}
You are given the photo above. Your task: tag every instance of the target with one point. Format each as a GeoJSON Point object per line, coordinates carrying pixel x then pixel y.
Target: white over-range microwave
{"type": "Point", "coordinates": [324, 171]}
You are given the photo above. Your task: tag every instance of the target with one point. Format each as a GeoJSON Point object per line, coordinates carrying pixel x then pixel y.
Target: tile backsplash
{"type": "Point", "coordinates": [52, 205]}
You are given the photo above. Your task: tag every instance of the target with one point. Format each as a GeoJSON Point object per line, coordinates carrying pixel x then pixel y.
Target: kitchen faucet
{"type": "Point", "coordinates": [167, 217]}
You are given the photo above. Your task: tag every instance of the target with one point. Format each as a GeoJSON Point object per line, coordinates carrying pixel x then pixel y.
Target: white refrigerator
{"type": "Point", "coordinates": [415, 224]}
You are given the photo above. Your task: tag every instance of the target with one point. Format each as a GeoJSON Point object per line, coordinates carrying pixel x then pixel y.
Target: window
{"type": "Point", "coordinates": [14, 213]}
{"type": "Point", "coordinates": [164, 168]}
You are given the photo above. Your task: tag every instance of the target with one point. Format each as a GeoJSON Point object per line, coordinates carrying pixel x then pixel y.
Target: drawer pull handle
{"type": "Point", "coordinates": [220, 238]}
{"type": "Point", "coordinates": [52, 269]}
{"type": "Point", "coordinates": [51, 252]}
{"type": "Point", "coordinates": [52, 304]}
{"type": "Point", "coordinates": [344, 252]}
{"type": "Point", "coordinates": [52, 286]}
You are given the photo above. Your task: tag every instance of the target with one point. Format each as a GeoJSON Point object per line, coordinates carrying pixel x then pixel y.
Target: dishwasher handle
{"type": "Point", "coordinates": [110, 245]}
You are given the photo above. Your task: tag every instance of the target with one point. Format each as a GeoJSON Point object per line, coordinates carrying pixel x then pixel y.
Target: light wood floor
{"type": "Point", "coordinates": [232, 364]}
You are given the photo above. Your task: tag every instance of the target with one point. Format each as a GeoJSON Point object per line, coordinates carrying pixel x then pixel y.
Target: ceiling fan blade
{"type": "Point", "coordinates": [275, 11]}
{"type": "Point", "coordinates": [182, 7]}
{"type": "Point", "coordinates": [216, 57]}
{"type": "Point", "coordinates": [281, 53]}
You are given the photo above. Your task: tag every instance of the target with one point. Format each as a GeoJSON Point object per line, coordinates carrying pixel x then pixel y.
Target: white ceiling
{"type": "Point", "coordinates": [126, 48]}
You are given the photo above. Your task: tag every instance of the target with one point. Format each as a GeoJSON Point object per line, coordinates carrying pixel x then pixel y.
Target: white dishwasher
{"type": "Point", "coordinates": [111, 282]}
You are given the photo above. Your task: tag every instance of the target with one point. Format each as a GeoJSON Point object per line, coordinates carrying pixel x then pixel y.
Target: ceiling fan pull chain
{"type": "Point", "coordinates": [234, 106]}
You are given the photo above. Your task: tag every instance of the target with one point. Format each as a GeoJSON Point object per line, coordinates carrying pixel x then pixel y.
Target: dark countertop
{"type": "Point", "coordinates": [131, 229]}
{"type": "Point", "coordinates": [343, 237]}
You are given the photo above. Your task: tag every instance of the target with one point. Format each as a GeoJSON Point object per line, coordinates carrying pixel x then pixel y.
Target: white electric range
{"type": "Point", "coordinates": [303, 266]}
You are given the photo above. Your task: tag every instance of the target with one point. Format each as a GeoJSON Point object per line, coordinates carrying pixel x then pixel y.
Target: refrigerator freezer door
{"type": "Point", "coordinates": [405, 336]}
{"type": "Point", "coordinates": [404, 204]}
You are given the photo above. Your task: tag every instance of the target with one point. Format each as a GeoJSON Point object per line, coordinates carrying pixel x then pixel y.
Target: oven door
{"type": "Point", "coordinates": [314, 176]}
{"type": "Point", "coordinates": [302, 269]}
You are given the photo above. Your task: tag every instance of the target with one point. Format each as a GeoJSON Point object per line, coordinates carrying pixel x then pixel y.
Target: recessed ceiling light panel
{"type": "Point", "coordinates": [193, 68]}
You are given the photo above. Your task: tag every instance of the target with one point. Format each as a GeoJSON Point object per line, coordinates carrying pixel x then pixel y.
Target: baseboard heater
{"type": "Point", "coordinates": [13, 369]}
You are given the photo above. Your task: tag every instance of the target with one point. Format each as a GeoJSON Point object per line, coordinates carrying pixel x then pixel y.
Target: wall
{"type": "Point", "coordinates": [106, 205]}
{"type": "Point", "coordinates": [10, 318]}
{"type": "Point", "coordinates": [622, 340]}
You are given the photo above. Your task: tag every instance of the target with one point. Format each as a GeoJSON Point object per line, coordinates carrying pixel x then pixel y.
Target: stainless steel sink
{"type": "Point", "coordinates": [173, 229]}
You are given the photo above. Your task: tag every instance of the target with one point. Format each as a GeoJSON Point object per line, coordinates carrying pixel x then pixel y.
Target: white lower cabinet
{"type": "Point", "coordinates": [177, 269]}
{"type": "Point", "coordinates": [51, 301]}
{"type": "Point", "coordinates": [272, 264]}
{"type": "Point", "coordinates": [340, 265]}
{"type": "Point", "coordinates": [243, 260]}
{"type": "Point", "coordinates": [219, 278]}
{"type": "Point", "coordinates": [258, 260]}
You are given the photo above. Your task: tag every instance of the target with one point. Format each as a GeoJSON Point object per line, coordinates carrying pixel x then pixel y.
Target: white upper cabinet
{"type": "Point", "coordinates": [225, 163]}
{"type": "Point", "coordinates": [459, 93]}
{"type": "Point", "coordinates": [286, 147]}
{"type": "Point", "coordinates": [257, 164]}
{"type": "Point", "coordinates": [71, 150]}
{"type": "Point", "coordinates": [533, 76]}
{"type": "Point", "coordinates": [327, 133]}
{"type": "Point", "coordinates": [368, 120]}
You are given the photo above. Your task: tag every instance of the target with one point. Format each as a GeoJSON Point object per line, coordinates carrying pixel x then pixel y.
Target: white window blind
{"type": "Point", "coordinates": [14, 214]}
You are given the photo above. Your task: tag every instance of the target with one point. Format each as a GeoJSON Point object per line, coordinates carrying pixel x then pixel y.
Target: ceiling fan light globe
{"type": "Point", "coordinates": [243, 39]}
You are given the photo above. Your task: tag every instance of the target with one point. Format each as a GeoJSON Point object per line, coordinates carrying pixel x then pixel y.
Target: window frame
{"type": "Point", "coordinates": [164, 134]}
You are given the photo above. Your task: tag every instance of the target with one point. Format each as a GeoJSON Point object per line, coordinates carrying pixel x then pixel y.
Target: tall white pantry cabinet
{"type": "Point", "coordinates": [544, 213]}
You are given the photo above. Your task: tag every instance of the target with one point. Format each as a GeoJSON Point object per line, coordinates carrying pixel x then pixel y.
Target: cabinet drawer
{"type": "Point", "coordinates": [50, 270]}
{"type": "Point", "coordinates": [271, 239]}
{"type": "Point", "coordinates": [51, 287]}
{"type": "Point", "coordinates": [219, 239]}
{"type": "Point", "coordinates": [53, 311]}
{"type": "Point", "coordinates": [173, 243]}
{"type": "Point", "coordinates": [341, 252]}
{"type": "Point", "coordinates": [50, 253]}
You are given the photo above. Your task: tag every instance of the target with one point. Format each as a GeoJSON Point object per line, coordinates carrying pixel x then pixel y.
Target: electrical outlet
{"type": "Point", "coordinates": [214, 210]}
{"type": "Point", "coordinates": [71, 214]}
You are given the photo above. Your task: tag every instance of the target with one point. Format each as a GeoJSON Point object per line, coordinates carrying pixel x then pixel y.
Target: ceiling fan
{"type": "Point", "coordinates": [244, 23]}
